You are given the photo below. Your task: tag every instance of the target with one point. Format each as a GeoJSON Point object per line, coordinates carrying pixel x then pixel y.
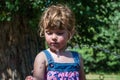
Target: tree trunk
{"type": "Point", "coordinates": [18, 48]}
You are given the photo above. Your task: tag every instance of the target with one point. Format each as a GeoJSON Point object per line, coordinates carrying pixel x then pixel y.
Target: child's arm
{"type": "Point", "coordinates": [39, 67]}
{"type": "Point", "coordinates": [82, 74]}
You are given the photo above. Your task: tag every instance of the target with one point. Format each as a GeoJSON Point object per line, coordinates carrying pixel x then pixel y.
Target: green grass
{"type": "Point", "coordinates": [104, 77]}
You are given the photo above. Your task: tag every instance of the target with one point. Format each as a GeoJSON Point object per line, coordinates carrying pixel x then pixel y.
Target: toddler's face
{"type": "Point", "coordinates": [56, 39]}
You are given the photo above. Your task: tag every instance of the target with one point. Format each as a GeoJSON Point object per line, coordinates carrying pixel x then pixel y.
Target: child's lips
{"type": "Point", "coordinates": [54, 44]}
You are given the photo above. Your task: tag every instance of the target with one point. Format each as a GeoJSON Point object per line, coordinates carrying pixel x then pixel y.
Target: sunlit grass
{"type": "Point", "coordinates": [103, 76]}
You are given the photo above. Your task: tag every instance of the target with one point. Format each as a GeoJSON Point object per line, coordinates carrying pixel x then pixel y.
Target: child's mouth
{"type": "Point", "coordinates": [54, 44]}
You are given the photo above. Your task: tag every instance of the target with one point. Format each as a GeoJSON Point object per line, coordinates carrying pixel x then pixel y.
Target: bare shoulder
{"type": "Point", "coordinates": [40, 57]}
{"type": "Point", "coordinates": [39, 66]}
{"type": "Point", "coordinates": [40, 54]}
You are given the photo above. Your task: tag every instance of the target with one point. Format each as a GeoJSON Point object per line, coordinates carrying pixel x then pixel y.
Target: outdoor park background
{"type": "Point", "coordinates": [97, 37]}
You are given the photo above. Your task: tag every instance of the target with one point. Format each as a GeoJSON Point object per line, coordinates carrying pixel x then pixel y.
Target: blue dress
{"type": "Point", "coordinates": [62, 71]}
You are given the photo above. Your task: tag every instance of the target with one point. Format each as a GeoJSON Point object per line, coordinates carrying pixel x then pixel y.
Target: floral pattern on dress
{"type": "Point", "coordinates": [54, 75]}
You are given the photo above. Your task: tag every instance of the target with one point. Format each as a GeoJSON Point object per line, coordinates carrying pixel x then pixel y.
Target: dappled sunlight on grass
{"type": "Point", "coordinates": [103, 76]}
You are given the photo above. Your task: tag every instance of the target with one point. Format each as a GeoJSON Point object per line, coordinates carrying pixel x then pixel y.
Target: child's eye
{"type": "Point", "coordinates": [49, 33]}
{"type": "Point", "coordinates": [60, 33]}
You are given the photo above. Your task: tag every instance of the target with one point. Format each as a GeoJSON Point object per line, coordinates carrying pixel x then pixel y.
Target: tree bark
{"type": "Point", "coordinates": [18, 48]}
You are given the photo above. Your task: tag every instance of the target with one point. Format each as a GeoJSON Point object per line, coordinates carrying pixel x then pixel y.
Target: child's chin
{"type": "Point", "coordinates": [54, 49]}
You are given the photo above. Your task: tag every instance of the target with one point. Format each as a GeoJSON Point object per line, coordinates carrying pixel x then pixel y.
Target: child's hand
{"type": "Point", "coordinates": [29, 78]}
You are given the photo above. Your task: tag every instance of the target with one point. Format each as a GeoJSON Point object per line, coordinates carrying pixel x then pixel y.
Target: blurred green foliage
{"type": "Point", "coordinates": [97, 35]}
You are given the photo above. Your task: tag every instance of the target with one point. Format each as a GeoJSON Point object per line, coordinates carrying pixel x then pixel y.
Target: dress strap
{"type": "Point", "coordinates": [48, 56]}
{"type": "Point", "coordinates": [76, 57]}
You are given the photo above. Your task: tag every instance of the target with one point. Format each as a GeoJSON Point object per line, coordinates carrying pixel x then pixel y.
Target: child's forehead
{"type": "Point", "coordinates": [61, 27]}
{"type": "Point", "coordinates": [55, 30]}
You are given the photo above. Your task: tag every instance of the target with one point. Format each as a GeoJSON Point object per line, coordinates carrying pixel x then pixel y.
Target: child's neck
{"type": "Point", "coordinates": [56, 51]}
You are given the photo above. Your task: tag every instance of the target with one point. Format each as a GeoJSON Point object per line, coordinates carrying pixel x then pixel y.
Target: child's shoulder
{"type": "Point", "coordinates": [76, 53]}
{"type": "Point", "coordinates": [40, 55]}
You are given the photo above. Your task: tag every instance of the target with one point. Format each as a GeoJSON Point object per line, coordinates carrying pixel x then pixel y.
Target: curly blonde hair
{"type": "Point", "coordinates": [57, 17]}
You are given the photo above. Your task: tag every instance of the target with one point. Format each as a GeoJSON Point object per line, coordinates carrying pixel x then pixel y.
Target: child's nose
{"type": "Point", "coordinates": [54, 36]}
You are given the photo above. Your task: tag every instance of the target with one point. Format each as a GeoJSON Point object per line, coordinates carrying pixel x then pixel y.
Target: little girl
{"type": "Point", "coordinates": [56, 63]}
